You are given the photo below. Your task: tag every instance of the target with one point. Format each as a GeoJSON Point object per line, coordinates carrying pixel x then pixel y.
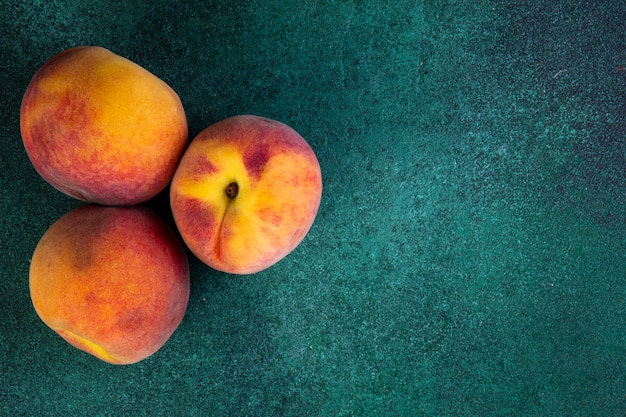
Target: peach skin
{"type": "Point", "coordinates": [111, 281]}
{"type": "Point", "coordinates": [246, 193]}
{"type": "Point", "coordinates": [101, 128]}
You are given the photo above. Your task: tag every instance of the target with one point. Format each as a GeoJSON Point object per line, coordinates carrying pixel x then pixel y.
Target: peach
{"type": "Point", "coordinates": [245, 194]}
{"type": "Point", "coordinates": [101, 128]}
{"type": "Point", "coordinates": [111, 281]}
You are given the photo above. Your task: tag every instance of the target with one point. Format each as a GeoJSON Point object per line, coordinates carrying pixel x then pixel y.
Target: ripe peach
{"type": "Point", "coordinates": [112, 281]}
{"type": "Point", "coordinates": [101, 128]}
{"type": "Point", "coordinates": [246, 193]}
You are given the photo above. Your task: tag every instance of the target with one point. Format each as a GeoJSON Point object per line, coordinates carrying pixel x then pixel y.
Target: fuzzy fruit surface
{"type": "Point", "coordinates": [246, 193]}
{"type": "Point", "coordinates": [102, 129]}
{"type": "Point", "coordinates": [112, 281]}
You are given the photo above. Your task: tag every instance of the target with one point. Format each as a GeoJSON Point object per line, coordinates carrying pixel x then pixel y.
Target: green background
{"type": "Point", "coordinates": [469, 255]}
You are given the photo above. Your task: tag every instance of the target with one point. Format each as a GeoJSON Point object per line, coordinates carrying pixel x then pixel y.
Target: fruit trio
{"type": "Point", "coordinates": [111, 277]}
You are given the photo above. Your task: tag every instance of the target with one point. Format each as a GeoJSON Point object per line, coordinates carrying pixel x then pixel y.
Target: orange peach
{"type": "Point", "coordinates": [101, 128]}
{"type": "Point", "coordinates": [246, 193]}
{"type": "Point", "coordinates": [111, 281]}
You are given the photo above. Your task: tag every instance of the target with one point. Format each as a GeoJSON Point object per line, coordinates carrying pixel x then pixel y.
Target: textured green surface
{"type": "Point", "coordinates": [469, 256]}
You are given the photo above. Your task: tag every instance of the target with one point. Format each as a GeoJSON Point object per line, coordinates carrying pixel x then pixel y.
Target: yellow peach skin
{"type": "Point", "coordinates": [112, 281]}
{"type": "Point", "coordinates": [246, 193]}
{"type": "Point", "coordinates": [101, 128]}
